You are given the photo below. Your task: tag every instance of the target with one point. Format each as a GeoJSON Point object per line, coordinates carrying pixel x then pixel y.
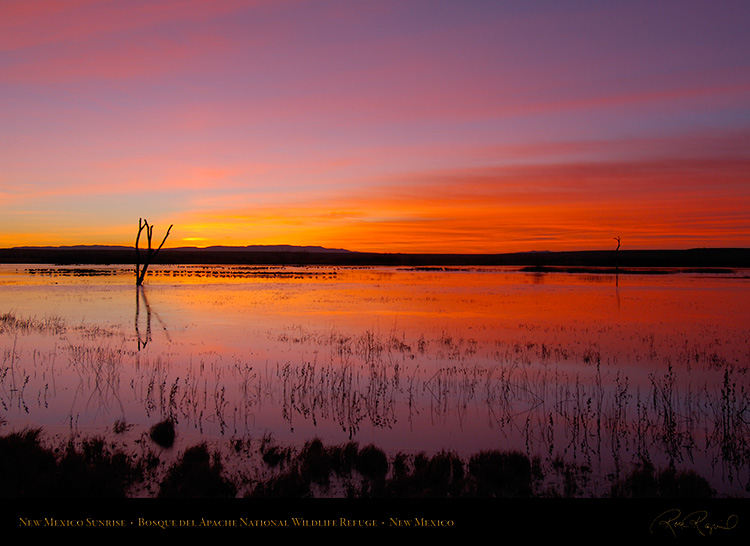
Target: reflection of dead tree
{"type": "Point", "coordinates": [617, 267]}
{"type": "Point", "coordinates": [140, 294]}
{"type": "Point", "coordinates": [142, 341]}
{"type": "Point", "coordinates": [140, 274]}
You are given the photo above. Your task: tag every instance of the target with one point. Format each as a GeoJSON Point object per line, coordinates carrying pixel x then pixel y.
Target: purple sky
{"type": "Point", "coordinates": [471, 126]}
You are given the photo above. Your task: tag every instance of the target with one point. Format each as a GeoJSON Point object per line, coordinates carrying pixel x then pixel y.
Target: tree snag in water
{"type": "Point", "coordinates": [140, 273]}
{"type": "Point", "coordinates": [617, 266]}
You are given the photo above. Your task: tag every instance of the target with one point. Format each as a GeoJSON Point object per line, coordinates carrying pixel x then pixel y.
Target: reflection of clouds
{"type": "Point", "coordinates": [463, 359]}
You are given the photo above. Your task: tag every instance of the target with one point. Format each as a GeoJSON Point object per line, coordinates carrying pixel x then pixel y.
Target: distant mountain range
{"type": "Point", "coordinates": [217, 248]}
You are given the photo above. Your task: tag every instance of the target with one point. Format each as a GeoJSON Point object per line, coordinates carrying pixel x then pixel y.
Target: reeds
{"type": "Point", "coordinates": [575, 410]}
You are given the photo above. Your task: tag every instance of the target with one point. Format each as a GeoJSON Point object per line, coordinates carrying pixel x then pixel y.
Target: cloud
{"type": "Point", "coordinates": [53, 22]}
{"type": "Point", "coordinates": [653, 202]}
{"type": "Point", "coordinates": [386, 125]}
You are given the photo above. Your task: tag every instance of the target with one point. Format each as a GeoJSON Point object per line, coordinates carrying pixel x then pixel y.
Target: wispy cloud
{"type": "Point", "coordinates": [412, 126]}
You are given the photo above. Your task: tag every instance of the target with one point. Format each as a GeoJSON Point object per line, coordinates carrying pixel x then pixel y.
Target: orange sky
{"type": "Point", "coordinates": [387, 126]}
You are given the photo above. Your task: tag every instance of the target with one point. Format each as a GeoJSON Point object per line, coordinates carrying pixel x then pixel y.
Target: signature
{"type": "Point", "coordinates": [674, 521]}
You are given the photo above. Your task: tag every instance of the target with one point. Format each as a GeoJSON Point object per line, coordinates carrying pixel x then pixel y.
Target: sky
{"type": "Point", "coordinates": [376, 125]}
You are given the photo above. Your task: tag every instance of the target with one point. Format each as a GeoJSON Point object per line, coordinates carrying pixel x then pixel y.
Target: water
{"type": "Point", "coordinates": [594, 371]}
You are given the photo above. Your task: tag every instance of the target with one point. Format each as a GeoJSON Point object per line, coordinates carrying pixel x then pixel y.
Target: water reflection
{"type": "Point", "coordinates": [140, 294]}
{"type": "Point", "coordinates": [142, 340]}
{"type": "Point", "coordinates": [547, 363]}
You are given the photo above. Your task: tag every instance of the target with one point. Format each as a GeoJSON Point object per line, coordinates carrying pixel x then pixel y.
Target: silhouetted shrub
{"type": "Point", "coordinates": [438, 477]}
{"type": "Point", "coordinates": [195, 475]}
{"type": "Point", "coordinates": [94, 471]}
{"type": "Point", "coordinates": [163, 433]}
{"type": "Point", "coordinates": [372, 462]}
{"type": "Point", "coordinates": [27, 469]}
{"type": "Point", "coordinates": [315, 462]}
{"type": "Point", "coordinates": [91, 469]}
{"type": "Point", "coordinates": [645, 482]}
{"type": "Point", "coordinates": [344, 458]}
{"type": "Point", "coordinates": [273, 456]}
{"type": "Point", "coordinates": [686, 484]}
{"type": "Point", "coordinates": [500, 474]}
{"type": "Point", "coordinates": [400, 466]}
{"type": "Point", "coordinates": [444, 475]}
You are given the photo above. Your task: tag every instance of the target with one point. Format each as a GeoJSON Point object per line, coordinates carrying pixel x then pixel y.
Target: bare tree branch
{"type": "Point", "coordinates": [140, 274]}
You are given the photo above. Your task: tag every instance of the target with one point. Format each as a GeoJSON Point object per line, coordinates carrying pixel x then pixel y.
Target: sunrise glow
{"type": "Point", "coordinates": [390, 126]}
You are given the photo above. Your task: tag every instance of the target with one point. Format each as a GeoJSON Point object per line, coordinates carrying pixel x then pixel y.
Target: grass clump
{"type": "Point", "coordinates": [272, 454]}
{"type": "Point", "coordinates": [646, 482]}
{"type": "Point", "coordinates": [28, 469]}
{"type": "Point", "coordinates": [500, 474]}
{"type": "Point", "coordinates": [316, 462]}
{"type": "Point", "coordinates": [439, 476]}
{"type": "Point", "coordinates": [120, 426]}
{"type": "Point", "coordinates": [94, 471]}
{"type": "Point", "coordinates": [163, 433]}
{"type": "Point", "coordinates": [196, 475]}
{"type": "Point", "coordinates": [372, 462]}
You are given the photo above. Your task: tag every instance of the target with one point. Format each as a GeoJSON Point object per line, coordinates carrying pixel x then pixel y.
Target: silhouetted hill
{"type": "Point", "coordinates": [262, 248]}
{"type": "Point", "coordinates": [313, 255]}
{"type": "Point", "coordinates": [218, 248]}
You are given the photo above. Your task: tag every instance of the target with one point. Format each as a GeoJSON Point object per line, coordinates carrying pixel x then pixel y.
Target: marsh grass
{"type": "Point", "coordinates": [197, 474]}
{"type": "Point", "coordinates": [87, 469]}
{"type": "Point", "coordinates": [646, 482]}
{"type": "Point", "coordinates": [580, 418]}
{"type": "Point", "coordinates": [11, 323]}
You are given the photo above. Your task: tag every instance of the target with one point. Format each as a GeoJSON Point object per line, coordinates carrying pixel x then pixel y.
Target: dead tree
{"type": "Point", "coordinates": [617, 264]}
{"type": "Point", "coordinates": [140, 273]}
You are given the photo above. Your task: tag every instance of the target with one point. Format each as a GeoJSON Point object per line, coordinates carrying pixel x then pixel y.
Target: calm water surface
{"type": "Point", "coordinates": [589, 370]}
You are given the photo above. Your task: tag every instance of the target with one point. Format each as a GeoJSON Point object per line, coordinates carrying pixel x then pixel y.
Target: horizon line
{"type": "Point", "coordinates": [322, 249]}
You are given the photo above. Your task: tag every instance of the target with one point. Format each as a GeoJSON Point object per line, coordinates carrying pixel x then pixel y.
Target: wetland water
{"type": "Point", "coordinates": [582, 370]}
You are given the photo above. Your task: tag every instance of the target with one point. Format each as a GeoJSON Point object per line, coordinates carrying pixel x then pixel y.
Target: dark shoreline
{"type": "Point", "coordinates": [95, 467]}
{"type": "Point", "coordinates": [86, 489]}
{"type": "Point", "coordinates": [721, 258]}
